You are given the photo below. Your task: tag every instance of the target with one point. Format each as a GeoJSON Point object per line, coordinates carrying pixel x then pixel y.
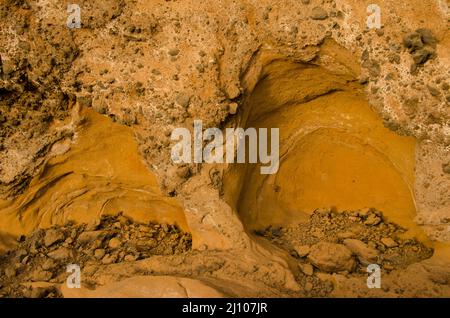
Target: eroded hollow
{"type": "Point", "coordinates": [334, 151]}
{"type": "Point", "coordinates": [100, 174]}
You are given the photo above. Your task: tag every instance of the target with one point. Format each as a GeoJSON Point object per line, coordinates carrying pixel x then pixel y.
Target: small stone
{"type": "Point", "coordinates": [232, 108]}
{"type": "Point", "coordinates": [319, 13]}
{"type": "Point", "coordinates": [25, 259]}
{"type": "Point", "coordinates": [307, 269]}
{"type": "Point", "coordinates": [99, 253]}
{"type": "Point", "coordinates": [183, 100]}
{"type": "Point", "coordinates": [302, 250]}
{"type": "Point", "coordinates": [109, 259]}
{"type": "Point", "coordinates": [53, 236]}
{"type": "Point", "coordinates": [130, 258]}
{"type": "Point", "coordinates": [89, 236]}
{"type": "Point", "coordinates": [379, 32]}
{"type": "Point", "coordinates": [389, 242]}
{"type": "Point", "coordinates": [233, 91]}
{"type": "Point", "coordinates": [61, 254]}
{"type": "Point", "coordinates": [330, 257]}
{"type": "Point", "coordinates": [372, 220]}
{"type": "Point", "coordinates": [309, 287]}
{"type": "Point", "coordinates": [68, 241]}
{"type": "Point", "coordinates": [365, 254]}
{"type": "Point", "coordinates": [114, 243]}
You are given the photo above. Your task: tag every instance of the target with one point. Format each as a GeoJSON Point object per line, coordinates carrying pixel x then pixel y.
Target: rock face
{"type": "Point", "coordinates": [154, 66]}
{"type": "Point", "coordinates": [148, 287]}
{"type": "Point", "coordinates": [331, 257]}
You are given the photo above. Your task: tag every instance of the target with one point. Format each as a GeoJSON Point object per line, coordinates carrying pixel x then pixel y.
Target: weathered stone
{"type": "Point", "coordinates": [360, 249]}
{"type": "Point", "coordinates": [53, 236]}
{"type": "Point", "coordinates": [389, 242]}
{"type": "Point", "coordinates": [89, 236]}
{"type": "Point", "coordinates": [61, 254]}
{"type": "Point", "coordinates": [330, 257]}
{"type": "Point", "coordinates": [99, 253]}
{"type": "Point", "coordinates": [114, 243]}
{"type": "Point", "coordinates": [302, 250]}
{"type": "Point", "coordinates": [318, 13]}
{"type": "Point", "coordinates": [307, 269]}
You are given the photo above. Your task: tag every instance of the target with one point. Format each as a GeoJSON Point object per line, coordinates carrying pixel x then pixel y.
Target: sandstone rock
{"type": "Point", "coordinates": [307, 269]}
{"type": "Point", "coordinates": [99, 253]}
{"type": "Point", "coordinates": [109, 259]}
{"type": "Point", "coordinates": [232, 108]}
{"type": "Point", "coordinates": [61, 254]}
{"type": "Point", "coordinates": [53, 236]}
{"type": "Point", "coordinates": [372, 220]}
{"type": "Point", "coordinates": [366, 254]}
{"type": "Point", "coordinates": [183, 100]}
{"type": "Point", "coordinates": [319, 13]}
{"type": "Point", "coordinates": [114, 243]}
{"type": "Point", "coordinates": [389, 242]}
{"type": "Point", "coordinates": [302, 250]}
{"type": "Point", "coordinates": [89, 236]}
{"type": "Point", "coordinates": [330, 257]}
{"type": "Point", "coordinates": [129, 258]}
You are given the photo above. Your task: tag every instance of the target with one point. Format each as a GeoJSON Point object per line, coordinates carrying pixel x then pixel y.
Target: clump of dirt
{"type": "Point", "coordinates": [43, 256]}
{"type": "Point", "coordinates": [344, 243]}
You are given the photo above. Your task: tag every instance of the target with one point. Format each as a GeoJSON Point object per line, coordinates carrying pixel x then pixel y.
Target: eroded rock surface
{"type": "Point", "coordinates": [157, 65]}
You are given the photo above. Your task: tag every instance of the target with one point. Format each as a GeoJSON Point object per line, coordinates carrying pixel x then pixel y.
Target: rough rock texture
{"type": "Point", "coordinates": [157, 65]}
{"type": "Point", "coordinates": [331, 257]}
